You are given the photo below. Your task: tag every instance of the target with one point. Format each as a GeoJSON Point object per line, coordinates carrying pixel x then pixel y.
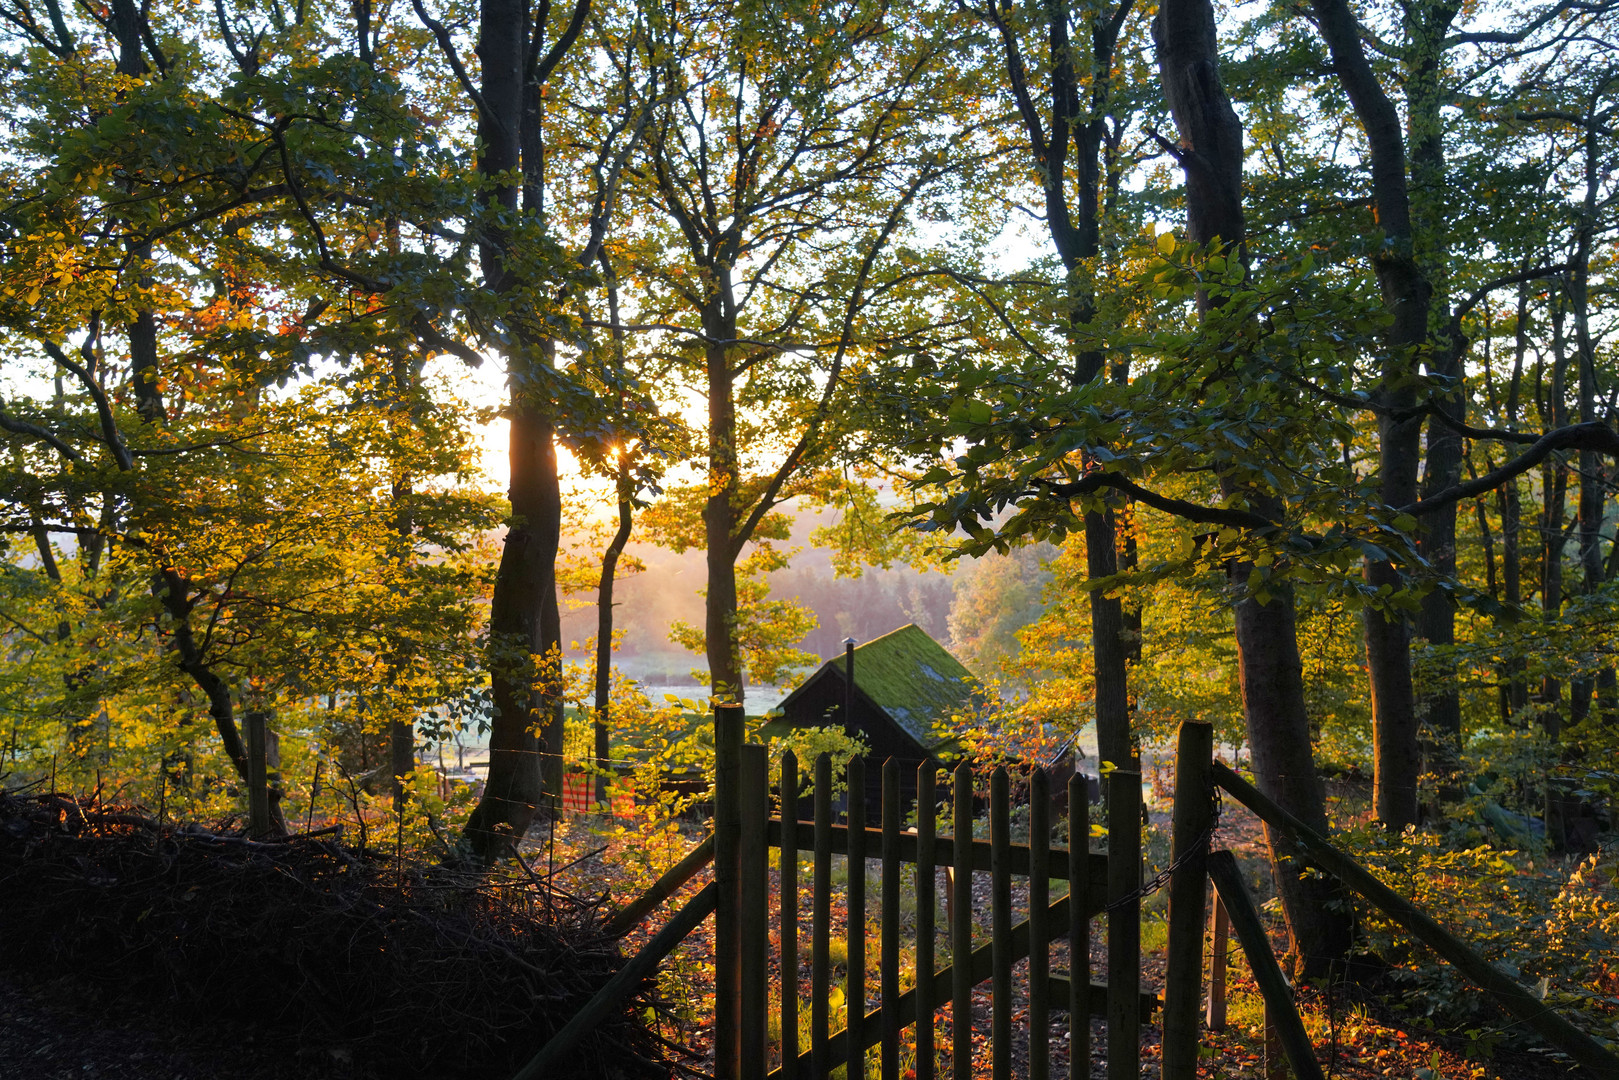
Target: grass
{"type": "Point", "coordinates": [1154, 933]}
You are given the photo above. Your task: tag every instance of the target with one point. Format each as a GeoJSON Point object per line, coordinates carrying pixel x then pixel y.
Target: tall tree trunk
{"type": "Point", "coordinates": [524, 622]}
{"type": "Point", "coordinates": [1553, 510]}
{"type": "Point", "coordinates": [170, 587]}
{"type": "Point", "coordinates": [1554, 540]}
{"type": "Point", "coordinates": [721, 511]}
{"type": "Point", "coordinates": [1511, 510]}
{"type": "Point", "coordinates": [610, 557]}
{"type": "Point", "coordinates": [1593, 482]}
{"type": "Point", "coordinates": [1267, 641]}
{"type": "Point", "coordinates": [604, 631]}
{"type": "Point", "coordinates": [1426, 25]}
{"type": "Point", "coordinates": [1486, 535]}
{"type": "Point", "coordinates": [401, 730]}
{"type": "Point", "coordinates": [1076, 232]}
{"type": "Point", "coordinates": [1406, 293]}
{"type": "Point", "coordinates": [523, 628]}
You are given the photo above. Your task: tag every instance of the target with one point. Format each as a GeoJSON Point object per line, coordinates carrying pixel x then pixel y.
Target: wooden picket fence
{"type": "Point", "coordinates": [746, 828]}
{"type": "Point", "coordinates": [909, 859]}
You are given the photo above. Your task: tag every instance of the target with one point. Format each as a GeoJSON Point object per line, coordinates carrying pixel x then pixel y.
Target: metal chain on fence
{"type": "Point", "coordinates": [1161, 878]}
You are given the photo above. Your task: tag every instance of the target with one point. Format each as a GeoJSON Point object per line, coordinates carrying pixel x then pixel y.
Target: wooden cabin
{"type": "Point", "coordinates": [904, 681]}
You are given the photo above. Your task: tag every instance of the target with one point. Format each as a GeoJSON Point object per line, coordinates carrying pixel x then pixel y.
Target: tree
{"type": "Point", "coordinates": [170, 272]}
{"type": "Point", "coordinates": [1076, 201]}
{"type": "Point", "coordinates": [1211, 153]}
{"type": "Point", "coordinates": [995, 599]}
{"type": "Point", "coordinates": [797, 149]}
{"type": "Point", "coordinates": [521, 309]}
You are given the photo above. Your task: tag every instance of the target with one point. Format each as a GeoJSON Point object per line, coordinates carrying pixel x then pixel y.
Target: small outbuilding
{"type": "Point", "coordinates": [904, 682]}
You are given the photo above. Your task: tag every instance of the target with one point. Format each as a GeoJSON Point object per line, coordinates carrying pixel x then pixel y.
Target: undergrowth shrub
{"type": "Point", "coordinates": [1554, 931]}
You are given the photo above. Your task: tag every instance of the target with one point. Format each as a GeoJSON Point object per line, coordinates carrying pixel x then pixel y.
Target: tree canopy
{"type": "Point", "coordinates": [1281, 345]}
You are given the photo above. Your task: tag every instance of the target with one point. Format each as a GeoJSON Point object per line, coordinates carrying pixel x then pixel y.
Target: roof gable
{"type": "Point", "coordinates": [909, 676]}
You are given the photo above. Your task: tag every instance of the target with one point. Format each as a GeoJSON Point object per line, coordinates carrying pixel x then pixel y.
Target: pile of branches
{"type": "Point", "coordinates": [406, 969]}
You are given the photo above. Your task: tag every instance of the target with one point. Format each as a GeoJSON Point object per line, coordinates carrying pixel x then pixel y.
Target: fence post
{"type": "Point", "coordinates": [927, 778]}
{"type": "Point", "coordinates": [753, 916]}
{"type": "Point", "coordinates": [727, 929]}
{"type": "Point", "coordinates": [961, 928]}
{"type": "Point", "coordinates": [789, 915]}
{"type": "Point", "coordinates": [1079, 926]}
{"type": "Point", "coordinates": [1188, 851]}
{"type": "Point", "coordinates": [1123, 925]}
{"type": "Point", "coordinates": [1275, 1055]}
{"type": "Point", "coordinates": [1219, 928]}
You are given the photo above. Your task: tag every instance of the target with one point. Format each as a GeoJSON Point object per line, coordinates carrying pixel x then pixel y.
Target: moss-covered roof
{"type": "Point", "coordinates": [910, 677]}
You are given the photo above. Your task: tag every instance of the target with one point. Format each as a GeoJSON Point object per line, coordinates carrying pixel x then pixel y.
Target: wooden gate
{"type": "Point", "coordinates": [750, 822]}
{"type": "Point", "coordinates": [746, 829]}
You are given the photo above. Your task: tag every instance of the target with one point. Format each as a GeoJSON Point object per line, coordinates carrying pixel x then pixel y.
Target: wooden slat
{"type": "Point", "coordinates": [854, 978]}
{"type": "Point", "coordinates": [625, 982]}
{"type": "Point", "coordinates": [821, 921]}
{"type": "Point", "coordinates": [1084, 895]}
{"type": "Point", "coordinates": [754, 909]}
{"type": "Point", "coordinates": [727, 941]}
{"type": "Point", "coordinates": [927, 779]}
{"type": "Point", "coordinates": [1123, 924]}
{"type": "Point", "coordinates": [1039, 926]}
{"type": "Point", "coordinates": [1093, 996]}
{"type": "Point", "coordinates": [630, 915]}
{"type": "Point", "coordinates": [945, 849]}
{"type": "Point", "coordinates": [1000, 908]}
{"type": "Point", "coordinates": [980, 964]}
{"type": "Point", "coordinates": [787, 920]}
{"type": "Point", "coordinates": [888, 965]}
{"type": "Point", "coordinates": [961, 931]}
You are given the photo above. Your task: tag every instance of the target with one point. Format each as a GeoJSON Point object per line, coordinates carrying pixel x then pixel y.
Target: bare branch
{"type": "Point", "coordinates": [1191, 511]}
{"type": "Point", "coordinates": [34, 431]}
{"type": "Point", "coordinates": [109, 424]}
{"type": "Point", "coordinates": [1595, 436]}
{"type": "Point", "coordinates": [451, 57]}
{"type": "Point", "coordinates": [543, 71]}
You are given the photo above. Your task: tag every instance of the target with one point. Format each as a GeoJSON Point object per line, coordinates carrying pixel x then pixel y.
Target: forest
{"type": "Point", "coordinates": [1249, 363]}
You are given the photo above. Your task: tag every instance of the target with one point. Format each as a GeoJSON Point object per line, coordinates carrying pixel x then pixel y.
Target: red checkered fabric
{"type": "Point", "coordinates": [577, 796]}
